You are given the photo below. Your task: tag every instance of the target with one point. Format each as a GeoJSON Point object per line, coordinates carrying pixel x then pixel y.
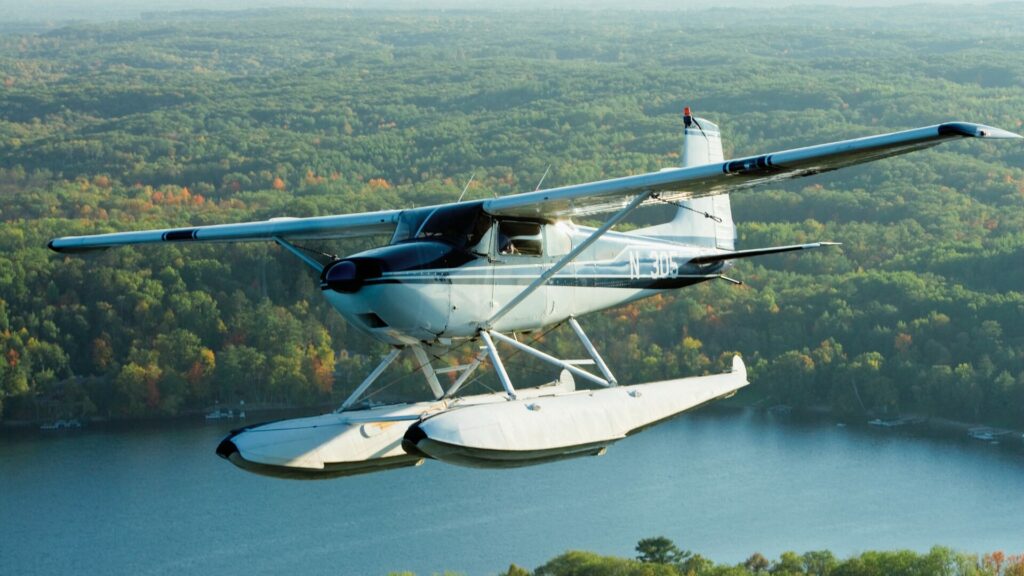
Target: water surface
{"type": "Point", "coordinates": [722, 482]}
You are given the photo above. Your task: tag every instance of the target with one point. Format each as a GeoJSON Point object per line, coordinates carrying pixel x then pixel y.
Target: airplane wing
{"type": "Point", "coordinates": [342, 226]}
{"type": "Point", "coordinates": [576, 200]}
{"type": "Point", "coordinates": [731, 175]}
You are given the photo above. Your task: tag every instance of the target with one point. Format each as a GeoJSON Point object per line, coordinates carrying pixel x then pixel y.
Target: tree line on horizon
{"type": "Point", "coordinates": [659, 556]}
{"type": "Point", "coordinates": [183, 121]}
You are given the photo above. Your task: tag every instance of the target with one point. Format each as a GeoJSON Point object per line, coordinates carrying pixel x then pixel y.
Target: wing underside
{"type": "Point", "coordinates": [576, 200]}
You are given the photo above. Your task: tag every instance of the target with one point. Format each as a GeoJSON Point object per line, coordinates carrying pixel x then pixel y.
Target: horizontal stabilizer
{"type": "Point", "coordinates": [723, 256]}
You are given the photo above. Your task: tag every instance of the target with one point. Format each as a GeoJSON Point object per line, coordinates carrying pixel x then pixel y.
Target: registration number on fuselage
{"type": "Point", "coordinates": [653, 264]}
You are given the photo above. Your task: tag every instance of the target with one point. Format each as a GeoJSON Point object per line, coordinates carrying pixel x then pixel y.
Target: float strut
{"type": "Point", "coordinates": [592, 351]}
{"type": "Point", "coordinates": [549, 358]}
{"type": "Point", "coordinates": [498, 366]}
{"type": "Point", "coordinates": [466, 373]}
{"type": "Point", "coordinates": [428, 371]}
{"type": "Point", "coordinates": [371, 378]}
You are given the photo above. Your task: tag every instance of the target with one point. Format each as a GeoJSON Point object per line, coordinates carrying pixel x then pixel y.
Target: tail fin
{"type": "Point", "coordinates": [702, 221]}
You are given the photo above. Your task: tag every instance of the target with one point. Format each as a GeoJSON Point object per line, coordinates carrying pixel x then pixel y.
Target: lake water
{"type": "Point", "coordinates": [722, 482]}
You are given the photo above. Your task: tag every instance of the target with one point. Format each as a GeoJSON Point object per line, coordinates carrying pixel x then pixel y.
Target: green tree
{"type": "Point", "coordinates": [136, 389]}
{"type": "Point", "coordinates": [819, 563]}
{"type": "Point", "coordinates": [660, 550]}
{"type": "Point", "coordinates": [576, 563]}
{"type": "Point", "coordinates": [240, 373]}
{"type": "Point", "coordinates": [757, 563]}
{"type": "Point", "coordinates": [514, 570]}
{"type": "Point", "coordinates": [788, 564]}
{"type": "Point", "coordinates": [696, 565]}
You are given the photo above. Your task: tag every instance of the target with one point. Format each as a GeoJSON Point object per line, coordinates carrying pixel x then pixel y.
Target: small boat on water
{"type": "Point", "coordinates": [987, 434]}
{"type": "Point", "coordinates": [62, 424]}
{"type": "Point", "coordinates": [895, 422]}
{"type": "Point", "coordinates": [219, 414]}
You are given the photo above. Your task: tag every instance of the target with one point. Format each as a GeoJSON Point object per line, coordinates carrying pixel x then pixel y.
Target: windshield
{"type": "Point", "coordinates": [462, 225]}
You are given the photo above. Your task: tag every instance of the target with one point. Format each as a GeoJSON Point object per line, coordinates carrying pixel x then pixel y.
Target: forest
{"type": "Point", "coordinates": [659, 556]}
{"type": "Point", "coordinates": [196, 118]}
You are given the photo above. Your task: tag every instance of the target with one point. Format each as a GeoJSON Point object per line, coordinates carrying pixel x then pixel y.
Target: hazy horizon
{"type": "Point", "coordinates": [105, 10]}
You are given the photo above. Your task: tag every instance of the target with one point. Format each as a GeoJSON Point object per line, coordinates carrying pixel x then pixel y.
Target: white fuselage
{"type": "Point", "coordinates": [436, 305]}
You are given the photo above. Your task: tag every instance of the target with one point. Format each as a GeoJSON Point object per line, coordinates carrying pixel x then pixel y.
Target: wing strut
{"type": "Point", "coordinates": [306, 259]}
{"type": "Point", "coordinates": [557, 266]}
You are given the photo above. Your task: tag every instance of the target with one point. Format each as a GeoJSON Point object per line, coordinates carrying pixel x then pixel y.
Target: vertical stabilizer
{"type": "Point", "coordinates": [702, 141]}
{"type": "Point", "coordinates": [701, 221]}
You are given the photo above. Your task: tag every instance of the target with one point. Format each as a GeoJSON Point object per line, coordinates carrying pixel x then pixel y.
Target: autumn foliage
{"type": "Point", "coordinates": [111, 128]}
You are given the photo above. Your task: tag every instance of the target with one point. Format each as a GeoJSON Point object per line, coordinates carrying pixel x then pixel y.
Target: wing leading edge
{"type": "Point", "coordinates": [576, 200]}
{"type": "Point", "coordinates": [341, 226]}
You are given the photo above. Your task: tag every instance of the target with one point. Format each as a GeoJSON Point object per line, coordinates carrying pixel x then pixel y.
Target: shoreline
{"type": "Point", "coordinates": [907, 421]}
{"type": "Point", "coordinates": [256, 414]}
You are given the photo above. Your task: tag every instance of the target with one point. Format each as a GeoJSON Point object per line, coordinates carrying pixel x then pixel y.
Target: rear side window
{"type": "Point", "coordinates": [558, 241]}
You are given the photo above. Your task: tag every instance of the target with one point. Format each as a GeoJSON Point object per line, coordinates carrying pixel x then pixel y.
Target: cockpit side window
{"type": "Point", "coordinates": [519, 238]}
{"type": "Point", "coordinates": [462, 225]}
{"type": "Point", "coordinates": [486, 242]}
{"type": "Point", "coordinates": [408, 223]}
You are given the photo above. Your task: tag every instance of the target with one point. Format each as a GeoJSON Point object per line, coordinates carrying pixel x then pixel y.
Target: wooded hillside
{"type": "Point", "coordinates": [200, 118]}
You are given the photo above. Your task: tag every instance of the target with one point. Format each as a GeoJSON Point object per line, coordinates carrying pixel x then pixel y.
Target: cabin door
{"type": "Point", "coordinates": [518, 259]}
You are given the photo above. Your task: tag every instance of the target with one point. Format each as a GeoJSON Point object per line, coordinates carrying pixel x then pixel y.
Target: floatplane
{"type": "Point", "coordinates": [486, 271]}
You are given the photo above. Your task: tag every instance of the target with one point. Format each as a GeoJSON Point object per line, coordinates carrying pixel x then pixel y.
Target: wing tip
{"type": "Point", "coordinates": [58, 249]}
{"type": "Point", "coordinates": [52, 245]}
{"type": "Point", "coordinates": [971, 130]}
